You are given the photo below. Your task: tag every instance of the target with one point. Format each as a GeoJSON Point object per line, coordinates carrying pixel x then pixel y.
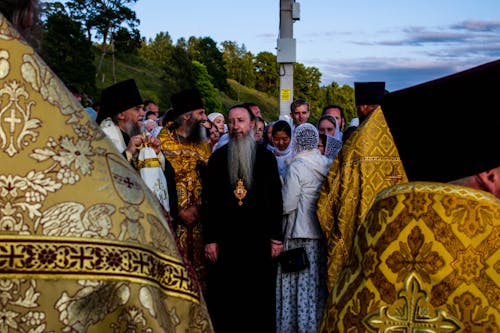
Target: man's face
{"type": "Point", "coordinates": [256, 111]}
{"type": "Point", "coordinates": [132, 116]}
{"type": "Point", "coordinates": [152, 107]}
{"type": "Point", "coordinates": [198, 116]}
{"type": "Point", "coordinates": [336, 114]}
{"type": "Point", "coordinates": [300, 115]}
{"type": "Point", "coordinates": [239, 123]}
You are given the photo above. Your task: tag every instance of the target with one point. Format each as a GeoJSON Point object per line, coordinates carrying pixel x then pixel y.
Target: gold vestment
{"type": "Point", "coordinates": [367, 163]}
{"type": "Point", "coordinates": [425, 259]}
{"type": "Point", "coordinates": [84, 245]}
{"type": "Point", "coordinates": [188, 159]}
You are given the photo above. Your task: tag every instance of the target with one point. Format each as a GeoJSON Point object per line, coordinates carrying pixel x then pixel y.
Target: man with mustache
{"type": "Point", "coordinates": [184, 144]}
{"type": "Point", "coordinates": [242, 215]}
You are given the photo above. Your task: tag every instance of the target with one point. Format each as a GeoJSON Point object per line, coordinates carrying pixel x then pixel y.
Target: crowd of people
{"type": "Point", "coordinates": [176, 220]}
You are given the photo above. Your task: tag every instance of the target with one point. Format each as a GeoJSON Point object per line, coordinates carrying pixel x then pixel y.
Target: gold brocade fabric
{"type": "Point", "coordinates": [425, 259]}
{"type": "Point", "coordinates": [367, 163]}
{"type": "Point", "coordinates": [188, 159]}
{"type": "Point", "coordinates": [84, 245]}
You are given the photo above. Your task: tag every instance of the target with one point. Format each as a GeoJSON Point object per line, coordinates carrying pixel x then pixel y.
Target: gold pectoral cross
{"type": "Point", "coordinates": [240, 192]}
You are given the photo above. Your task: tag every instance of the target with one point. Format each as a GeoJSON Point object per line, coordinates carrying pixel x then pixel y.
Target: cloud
{"type": "Point", "coordinates": [429, 53]}
{"type": "Point", "coordinates": [478, 25]}
{"type": "Point", "coordinates": [398, 73]}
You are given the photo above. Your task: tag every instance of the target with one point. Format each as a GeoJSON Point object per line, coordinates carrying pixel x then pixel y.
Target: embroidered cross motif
{"type": "Point", "coordinates": [394, 176]}
{"type": "Point", "coordinates": [412, 313]}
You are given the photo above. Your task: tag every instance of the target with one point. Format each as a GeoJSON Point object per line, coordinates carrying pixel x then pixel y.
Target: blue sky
{"type": "Point", "coordinates": [403, 42]}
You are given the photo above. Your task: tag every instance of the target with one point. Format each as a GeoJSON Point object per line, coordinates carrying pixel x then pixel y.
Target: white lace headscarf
{"type": "Point", "coordinates": [305, 137]}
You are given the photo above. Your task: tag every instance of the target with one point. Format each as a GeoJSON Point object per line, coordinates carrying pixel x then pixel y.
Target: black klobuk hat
{"type": "Point", "coordinates": [185, 101]}
{"type": "Point", "coordinates": [448, 128]}
{"type": "Point", "coordinates": [118, 98]}
{"type": "Point", "coordinates": [368, 93]}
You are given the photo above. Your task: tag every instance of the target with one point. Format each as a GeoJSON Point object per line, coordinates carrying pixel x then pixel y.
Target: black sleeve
{"type": "Point", "coordinates": [172, 191]}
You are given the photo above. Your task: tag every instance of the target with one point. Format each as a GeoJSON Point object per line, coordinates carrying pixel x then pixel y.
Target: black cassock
{"type": "Point", "coordinates": [241, 285]}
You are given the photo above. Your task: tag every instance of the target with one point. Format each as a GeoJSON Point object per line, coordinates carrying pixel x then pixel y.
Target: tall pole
{"type": "Point", "coordinates": [286, 53]}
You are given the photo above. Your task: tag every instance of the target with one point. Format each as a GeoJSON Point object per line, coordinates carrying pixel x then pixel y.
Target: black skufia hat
{"type": "Point", "coordinates": [368, 93]}
{"type": "Point", "coordinates": [448, 128]}
{"type": "Point", "coordinates": [184, 101]}
{"type": "Point", "coordinates": [118, 98]}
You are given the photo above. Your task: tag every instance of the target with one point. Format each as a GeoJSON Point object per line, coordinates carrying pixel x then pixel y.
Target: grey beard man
{"type": "Point", "coordinates": [241, 158]}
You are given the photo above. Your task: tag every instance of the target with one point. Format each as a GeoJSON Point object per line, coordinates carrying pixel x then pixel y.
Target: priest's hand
{"type": "Point", "coordinates": [276, 248]}
{"type": "Point", "coordinates": [189, 215]}
{"type": "Point", "coordinates": [133, 145]}
{"type": "Point", "coordinates": [211, 252]}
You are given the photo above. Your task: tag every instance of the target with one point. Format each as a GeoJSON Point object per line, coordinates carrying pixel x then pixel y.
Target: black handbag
{"type": "Point", "coordinates": [293, 260]}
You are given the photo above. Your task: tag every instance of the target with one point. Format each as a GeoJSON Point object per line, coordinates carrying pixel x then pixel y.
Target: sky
{"type": "Point", "coordinates": [403, 42]}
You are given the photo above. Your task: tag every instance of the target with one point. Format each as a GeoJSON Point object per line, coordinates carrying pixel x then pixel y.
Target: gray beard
{"type": "Point", "coordinates": [241, 158]}
{"type": "Point", "coordinates": [132, 129]}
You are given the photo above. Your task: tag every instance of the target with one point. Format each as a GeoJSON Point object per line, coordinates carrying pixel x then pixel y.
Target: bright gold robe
{"type": "Point", "coordinates": [84, 246]}
{"type": "Point", "coordinates": [188, 159]}
{"type": "Point", "coordinates": [426, 259]}
{"type": "Point", "coordinates": [367, 163]}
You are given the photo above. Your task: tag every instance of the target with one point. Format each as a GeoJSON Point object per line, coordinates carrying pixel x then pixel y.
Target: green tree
{"type": "Point", "coordinates": [104, 17]}
{"type": "Point", "coordinates": [127, 42]}
{"type": "Point", "coordinates": [67, 51]}
{"type": "Point", "coordinates": [205, 51]}
{"type": "Point", "coordinates": [306, 85]}
{"type": "Point", "coordinates": [158, 50]}
{"type": "Point", "coordinates": [203, 82]}
{"type": "Point", "coordinates": [267, 73]}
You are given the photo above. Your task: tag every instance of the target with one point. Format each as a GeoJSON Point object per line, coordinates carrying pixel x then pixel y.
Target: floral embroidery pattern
{"type": "Point", "coordinates": [415, 255]}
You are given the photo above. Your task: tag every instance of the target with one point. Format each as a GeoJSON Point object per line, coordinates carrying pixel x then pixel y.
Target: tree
{"type": "Point", "coordinates": [207, 90]}
{"type": "Point", "coordinates": [158, 50]}
{"type": "Point", "coordinates": [127, 42]}
{"type": "Point", "coordinates": [205, 51]}
{"type": "Point", "coordinates": [267, 74]}
{"type": "Point", "coordinates": [67, 51]}
{"type": "Point", "coordinates": [306, 85]}
{"type": "Point", "coordinates": [103, 17]}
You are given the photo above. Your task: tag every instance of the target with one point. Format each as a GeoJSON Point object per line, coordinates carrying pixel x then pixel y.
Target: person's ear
{"type": "Point", "coordinates": [120, 116]}
{"type": "Point", "coordinates": [491, 180]}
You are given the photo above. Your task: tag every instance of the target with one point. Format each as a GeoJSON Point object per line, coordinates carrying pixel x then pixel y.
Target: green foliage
{"type": "Point", "coordinates": [267, 73]}
{"type": "Point", "coordinates": [159, 50]}
{"type": "Point", "coordinates": [206, 52]}
{"type": "Point", "coordinates": [68, 52]}
{"type": "Point", "coordinates": [127, 42]}
{"type": "Point", "coordinates": [207, 90]}
{"type": "Point", "coordinates": [225, 76]}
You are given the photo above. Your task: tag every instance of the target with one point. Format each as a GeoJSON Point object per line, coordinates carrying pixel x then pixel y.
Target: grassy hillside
{"type": "Point", "coordinates": [148, 78]}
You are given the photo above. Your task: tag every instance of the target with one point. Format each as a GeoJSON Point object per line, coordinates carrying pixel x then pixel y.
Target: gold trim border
{"type": "Point", "coordinates": [94, 259]}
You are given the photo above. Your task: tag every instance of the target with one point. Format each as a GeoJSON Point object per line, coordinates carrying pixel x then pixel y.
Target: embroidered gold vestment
{"type": "Point", "coordinates": [367, 163]}
{"type": "Point", "coordinates": [425, 259]}
{"type": "Point", "coordinates": [188, 159]}
{"type": "Point", "coordinates": [84, 246]}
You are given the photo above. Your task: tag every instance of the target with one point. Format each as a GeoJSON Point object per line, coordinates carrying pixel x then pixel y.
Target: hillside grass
{"type": "Point", "coordinates": [149, 80]}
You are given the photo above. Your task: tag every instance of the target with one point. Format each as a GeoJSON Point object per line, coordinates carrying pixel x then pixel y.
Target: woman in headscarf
{"type": "Point", "coordinates": [330, 135]}
{"type": "Point", "coordinates": [282, 148]}
{"type": "Point", "coordinates": [301, 295]}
